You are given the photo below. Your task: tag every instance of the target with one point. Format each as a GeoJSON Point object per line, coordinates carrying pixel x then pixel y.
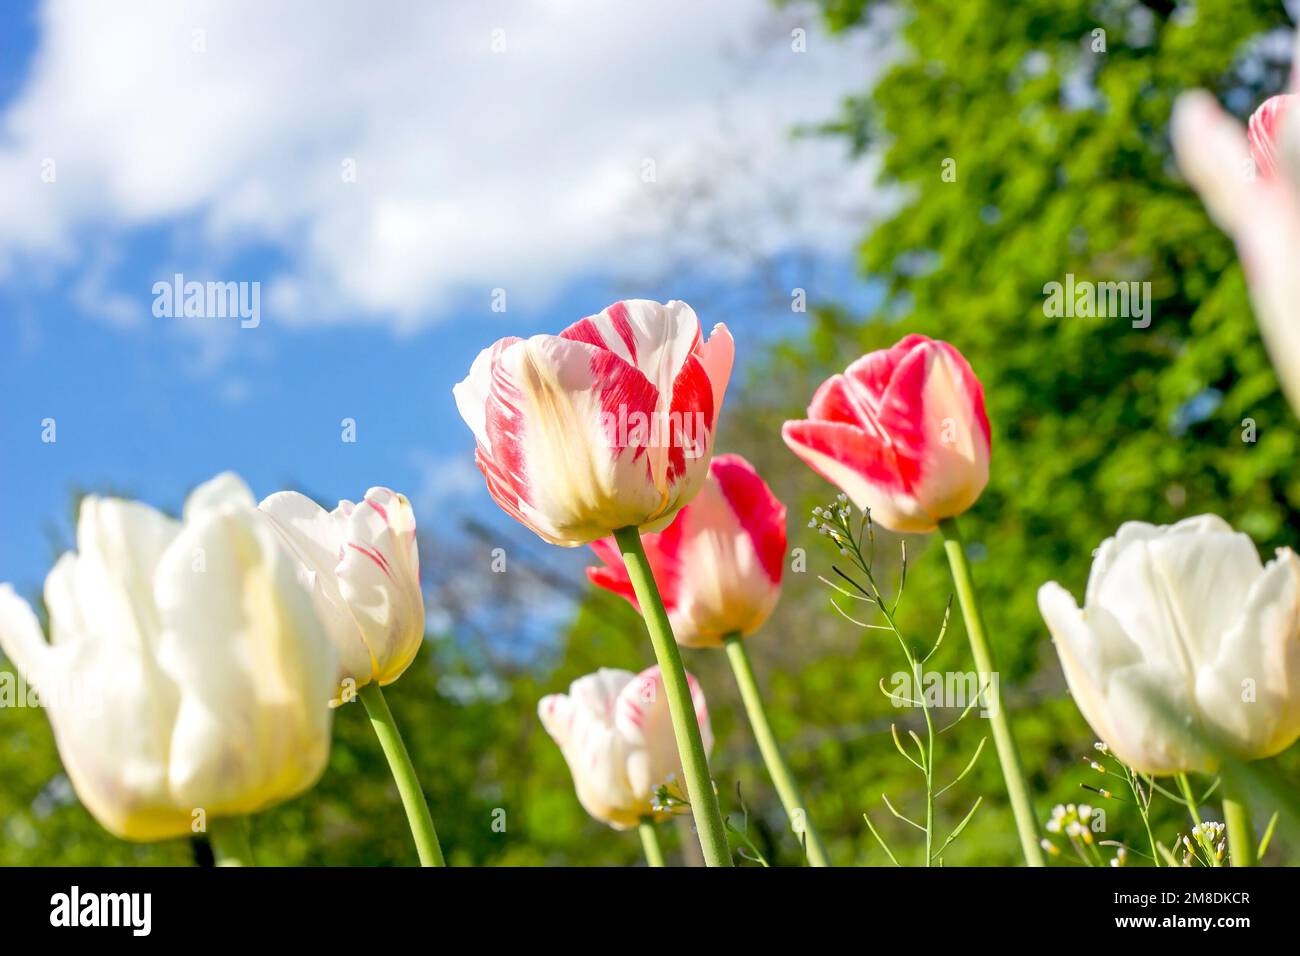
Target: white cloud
{"type": "Point", "coordinates": [475, 168]}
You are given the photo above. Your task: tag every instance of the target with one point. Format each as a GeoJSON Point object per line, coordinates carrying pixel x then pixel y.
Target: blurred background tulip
{"type": "Point", "coordinates": [187, 676]}
{"type": "Point", "coordinates": [719, 564]}
{"type": "Point", "coordinates": [615, 733]}
{"type": "Point", "coordinates": [363, 566]}
{"type": "Point", "coordinates": [902, 432]}
{"type": "Point", "coordinates": [1249, 180]}
{"type": "Point", "coordinates": [607, 425]}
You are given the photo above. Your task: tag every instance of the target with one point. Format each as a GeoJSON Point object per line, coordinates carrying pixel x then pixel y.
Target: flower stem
{"type": "Point", "coordinates": [228, 838]}
{"type": "Point", "coordinates": [1012, 770]}
{"type": "Point", "coordinates": [1241, 832]}
{"type": "Point", "coordinates": [1189, 798]}
{"type": "Point", "coordinates": [408, 785]}
{"type": "Point", "coordinates": [777, 769]}
{"type": "Point", "coordinates": [654, 855]}
{"type": "Point", "coordinates": [686, 728]}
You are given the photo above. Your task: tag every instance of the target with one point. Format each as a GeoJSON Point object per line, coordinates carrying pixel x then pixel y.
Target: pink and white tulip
{"type": "Point", "coordinates": [616, 735]}
{"type": "Point", "coordinates": [902, 432]}
{"type": "Point", "coordinates": [363, 565]}
{"type": "Point", "coordinates": [1249, 181]}
{"type": "Point", "coordinates": [609, 424]}
{"type": "Point", "coordinates": [719, 564]}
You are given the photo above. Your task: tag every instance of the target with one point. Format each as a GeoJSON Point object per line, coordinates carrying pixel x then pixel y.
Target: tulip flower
{"type": "Point", "coordinates": [616, 734]}
{"type": "Point", "coordinates": [607, 429]}
{"type": "Point", "coordinates": [1183, 623]}
{"type": "Point", "coordinates": [719, 564]}
{"type": "Point", "coordinates": [364, 561]}
{"type": "Point", "coordinates": [188, 676]}
{"type": "Point", "coordinates": [1186, 648]}
{"type": "Point", "coordinates": [607, 425]}
{"type": "Point", "coordinates": [718, 567]}
{"type": "Point", "coordinates": [1250, 183]}
{"type": "Point", "coordinates": [363, 566]}
{"type": "Point", "coordinates": [902, 432]}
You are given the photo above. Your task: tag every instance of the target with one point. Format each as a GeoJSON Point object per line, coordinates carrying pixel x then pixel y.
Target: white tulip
{"type": "Point", "coordinates": [187, 676]}
{"type": "Point", "coordinates": [615, 732]}
{"type": "Point", "coordinates": [363, 565]}
{"type": "Point", "coordinates": [1184, 638]}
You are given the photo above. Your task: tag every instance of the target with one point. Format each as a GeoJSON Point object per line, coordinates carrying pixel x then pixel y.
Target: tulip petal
{"type": "Point", "coordinates": [107, 585]}
{"type": "Point", "coordinates": [654, 337]}
{"type": "Point", "coordinates": [1214, 155]}
{"type": "Point", "coordinates": [553, 420]}
{"type": "Point", "coordinates": [1250, 693]}
{"type": "Point", "coordinates": [1133, 531]}
{"type": "Point", "coordinates": [472, 394]}
{"type": "Point", "coordinates": [717, 356]}
{"type": "Point", "coordinates": [860, 466]}
{"type": "Point", "coordinates": [1264, 131]}
{"type": "Point", "coordinates": [256, 672]}
{"type": "Point", "coordinates": [934, 413]}
{"type": "Point", "coordinates": [1130, 703]}
{"type": "Point", "coordinates": [21, 638]}
{"type": "Point", "coordinates": [315, 537]}
{"type": "Point", "coordinates": [1167, 592]}
{"type": "Point", "coordinates": [226, 490]}
{"type": "Point", "coordinates": [643, 718]}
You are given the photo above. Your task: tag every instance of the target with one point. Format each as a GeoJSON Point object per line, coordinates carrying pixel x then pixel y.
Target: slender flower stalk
{"type": "Point", "coordinates": [408, 785]}
{"type": "Point", "coordinates": [777, 769]}
{"type": "Point", "coordinates": [835, 523]}
{"type": "Point", "coordinates": [228, 838]}
{"type": "Point", "coordinates": [654, 854]}
{"type": "Point", "coordinates": [1003, 738]}
{"type": "Point", "coordinates": [686, 729]}
{"type": "Point", "coordinates": [1189, 798]}
{"type": "Point", "coordinates": [1241, 831]}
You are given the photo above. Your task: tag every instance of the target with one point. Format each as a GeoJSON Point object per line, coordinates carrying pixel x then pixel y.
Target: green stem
{"type": "Point", "coordinates": [1241, 832]}
{"type": "Point", "coordinates": [1143, 806]}
{"type": "Point", "coordinates": [1012, 770]}
{"type": "Point", "coordinates": [408, 785]}
{"type": "Point", "coordinates": [1189, 798]}
{"type": "Point", "coordinates": [654, 855]}
{"type": "Point", "coordinates": [918, 681]}
{"type": "Point", "coordinates": [228, 837]}
{"type": "Point", "coordinates": [777, 769]}
{"type": "Point", "coordinates": [686, 728]}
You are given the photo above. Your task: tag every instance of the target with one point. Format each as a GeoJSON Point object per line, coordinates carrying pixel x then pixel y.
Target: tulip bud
{"type": "Point", "coordinates": [1185, 639]}
{"type": "Point", "coordinates": [363, 565]}
{"type": "Point", "coordinates": [187, 669]}
{"type": "Point", "coordinates": [902, 432]}
{"type": "Point", "coordinates": [615, 732]}
{"type": "Point", "coordinates": [607, 425]}
{"type": "Point", "coordinates": [719, 564]}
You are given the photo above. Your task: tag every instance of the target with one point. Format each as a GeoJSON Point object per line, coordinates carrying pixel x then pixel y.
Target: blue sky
{"type": "Point", "coordinates": [375, 300]}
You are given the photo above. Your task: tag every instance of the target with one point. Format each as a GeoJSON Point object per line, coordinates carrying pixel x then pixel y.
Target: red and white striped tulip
{"type": "Point", "coordinates": [363, 565]}
{"type": "Point", "coordinates": [607, 425]}
{"type": "Point", "coordinates": [719, 564]}
{"type": "Point", "coordinates": [902, 432]}
{"type": "Point", "coordinates": [1250, 184]}
{"type": "Point", "coordinates": [616, 735]}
